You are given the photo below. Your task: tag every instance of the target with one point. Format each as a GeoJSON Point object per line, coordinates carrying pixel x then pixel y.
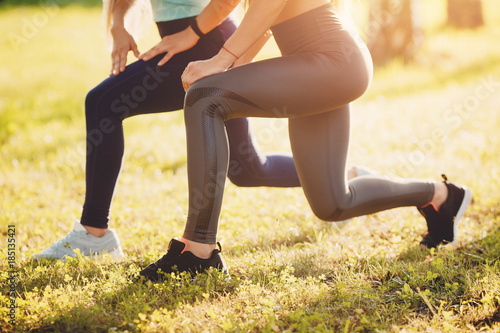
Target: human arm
{"type": "Point", "coordinates": [250, 54]}
{"type": "Point", "coordinates": [260, 16]}
{"type": "Point", "coordinates": [123, 42]}
{"type": "Point", "coordinates": [213, 14]}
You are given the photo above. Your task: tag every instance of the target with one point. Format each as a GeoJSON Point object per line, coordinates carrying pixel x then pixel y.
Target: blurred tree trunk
{"type": "Point", "coordinates": [394, 29]}
{"type": "Point", "coordinates": [465, 13]}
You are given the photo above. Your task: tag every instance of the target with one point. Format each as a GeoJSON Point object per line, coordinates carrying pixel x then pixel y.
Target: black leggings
{"type": "Point", "coordinates": [146, 88]}
{"type": "Point", "coordinates": [323, 69]}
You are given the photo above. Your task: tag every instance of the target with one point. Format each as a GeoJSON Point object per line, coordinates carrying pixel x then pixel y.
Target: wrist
{"type": "Point", "coordinates": [193, 24]}
{"type": "Point", "coordinates": [192, 34]}
{"type": "Point", "coordinates": [224, 59]}
{"type": "Point", "coordinates": [117, 28]}
{"type": "Point", "coordinates": [231, 53]}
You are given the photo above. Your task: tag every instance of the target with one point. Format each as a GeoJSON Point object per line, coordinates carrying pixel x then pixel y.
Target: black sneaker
{"type": "Point", "coordinates": [177, 261]}
{"type": "Point", "coordinates": [442, 225]}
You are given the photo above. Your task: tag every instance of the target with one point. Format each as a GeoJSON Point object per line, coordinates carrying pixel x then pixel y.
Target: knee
{"type": "Point", "coordinates": [101, 104]}
{"type": "Point", "coordinates": [323, 214]}
{"type": "Point", "coordinates": [195, 94]}
{"type": "Point", "coordinates": [334, 216]}
{"type": "Point", "coordinates": [328, 212]}
{"type": "Point", "coordinates": [203, 102]}
{"type": "Point", "coordinates": [237, 179]}
{"type": "Point", "coordinates": [245, 166]}
{"type": "Point", "coordinates": [89, 102]}
{"type": "Point", "coordinates": [241, 177]}
{"type": "Point", "coordinates": [92, 101]}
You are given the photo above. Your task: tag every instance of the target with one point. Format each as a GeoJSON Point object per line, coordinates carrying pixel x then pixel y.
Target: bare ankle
{"type": "Point", "coordinates": [201, 250]}
{"type": "Point", "coordinates": [440, 194]}
{"type": "Point", "coordinates": [351, 173]}
{"type": "Point", "coordinates": [96, 232]}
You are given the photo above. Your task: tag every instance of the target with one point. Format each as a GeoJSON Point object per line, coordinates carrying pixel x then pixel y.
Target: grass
{"type": "Point", "coordinates": [290, 271]}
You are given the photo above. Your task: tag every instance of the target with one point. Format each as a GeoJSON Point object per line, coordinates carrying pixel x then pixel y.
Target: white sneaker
{"type": "Point", "coordinates": [88, 245]}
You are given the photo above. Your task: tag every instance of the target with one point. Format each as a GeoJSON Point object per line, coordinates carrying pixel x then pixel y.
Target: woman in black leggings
{"type": "Point", "coordinates": [324, 66]}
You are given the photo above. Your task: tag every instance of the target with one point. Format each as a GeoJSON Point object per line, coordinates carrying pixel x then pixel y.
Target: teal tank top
{"type": "Point", "coordinates": [168, 10]}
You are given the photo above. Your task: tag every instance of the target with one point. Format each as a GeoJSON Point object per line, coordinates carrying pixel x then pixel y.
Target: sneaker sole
{"type": "Point", "coordinates": [463, 207]}
{"type": "Point", "coordinates": [116, 254]}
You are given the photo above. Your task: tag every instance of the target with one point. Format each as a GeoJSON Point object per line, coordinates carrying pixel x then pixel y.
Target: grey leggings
{"type": "Point", "coordinates": [323, 69]}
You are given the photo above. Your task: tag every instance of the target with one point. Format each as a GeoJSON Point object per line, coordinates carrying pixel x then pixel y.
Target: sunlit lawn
{"type": "Point", "coordinates": [290, 271]}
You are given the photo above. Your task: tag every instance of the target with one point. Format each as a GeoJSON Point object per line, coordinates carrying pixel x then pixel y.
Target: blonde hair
{"type": "Point", "coordinates": [343, 7]}
{"type": "Point", "coordinates": [138, 16]}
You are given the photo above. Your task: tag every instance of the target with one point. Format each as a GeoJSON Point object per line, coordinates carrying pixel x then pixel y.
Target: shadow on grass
{"type": "Point", "coordinates": [124, 305]}
{"type": "Point", "coordinates": [126, 302]}
{"type": "Point", "coordinates": [484, 252]}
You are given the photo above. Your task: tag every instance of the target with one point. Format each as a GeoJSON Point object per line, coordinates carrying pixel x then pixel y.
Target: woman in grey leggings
{"type": "Point", "coordinates": [324, 67]}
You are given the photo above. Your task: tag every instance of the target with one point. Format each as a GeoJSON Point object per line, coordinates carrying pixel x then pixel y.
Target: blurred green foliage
{"type": "Point", "coordinates": [290, 271]}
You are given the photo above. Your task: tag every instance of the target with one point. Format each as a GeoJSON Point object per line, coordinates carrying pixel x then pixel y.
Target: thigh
{"type": "Point", "coordinates": [290, 86]}
{"type": "Point", "coordinates": [142, 88]}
